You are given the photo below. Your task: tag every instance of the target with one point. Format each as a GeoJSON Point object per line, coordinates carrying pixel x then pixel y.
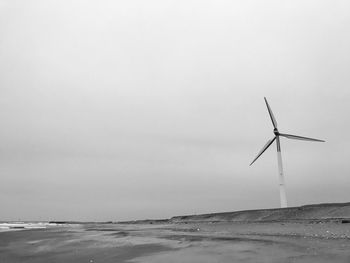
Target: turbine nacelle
{"type": "Point", "coordinates": [276, 132]}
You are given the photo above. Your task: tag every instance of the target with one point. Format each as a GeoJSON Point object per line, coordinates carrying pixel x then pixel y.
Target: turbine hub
{"type": "Point", "coordinates": [276, 132]}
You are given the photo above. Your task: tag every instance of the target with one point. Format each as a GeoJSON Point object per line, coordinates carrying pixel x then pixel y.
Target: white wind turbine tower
{"type": "Point", "coordinates": [283, 197]}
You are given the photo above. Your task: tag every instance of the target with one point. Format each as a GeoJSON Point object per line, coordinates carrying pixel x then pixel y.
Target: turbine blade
{"type": "Point", "coordinates": [274, 122]}
{"type": "Point", "coordinates": [295, 137]}
{"type": "Point", "coordinates": [263, 149]}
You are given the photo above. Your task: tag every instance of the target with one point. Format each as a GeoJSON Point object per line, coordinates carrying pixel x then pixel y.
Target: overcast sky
{"type": "Point", "coordinates": [117, 110]}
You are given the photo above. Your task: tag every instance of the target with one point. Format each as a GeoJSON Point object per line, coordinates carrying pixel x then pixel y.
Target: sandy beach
{"type": "Point", "coordinates": [204, 242]}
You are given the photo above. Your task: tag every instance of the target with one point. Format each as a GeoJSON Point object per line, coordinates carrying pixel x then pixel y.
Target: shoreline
{"type": "Point", "coordinates": [197, 242]}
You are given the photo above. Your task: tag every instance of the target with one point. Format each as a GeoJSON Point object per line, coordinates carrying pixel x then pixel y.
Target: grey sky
{"type": "Point", "coordinates": [115, 110]}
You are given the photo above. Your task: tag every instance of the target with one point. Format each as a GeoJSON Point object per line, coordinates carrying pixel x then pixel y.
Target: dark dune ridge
{"type": "Point", "coordinates": [333, 212]}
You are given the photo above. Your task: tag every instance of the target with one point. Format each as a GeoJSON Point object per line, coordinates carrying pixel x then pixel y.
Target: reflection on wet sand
{"type": "Point", "coordinates": [220, 242]}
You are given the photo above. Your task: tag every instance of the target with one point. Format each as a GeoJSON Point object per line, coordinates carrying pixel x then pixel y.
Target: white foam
{"type": "Point", "coordinates": [11, 226]}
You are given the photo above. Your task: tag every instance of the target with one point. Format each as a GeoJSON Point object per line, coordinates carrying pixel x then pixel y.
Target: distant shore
{"type": "Point", "coordinates": [314, 213]}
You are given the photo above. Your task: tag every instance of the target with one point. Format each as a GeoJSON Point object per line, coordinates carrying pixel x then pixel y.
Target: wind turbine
{"type": "Point", "coordinates": [283, 197]}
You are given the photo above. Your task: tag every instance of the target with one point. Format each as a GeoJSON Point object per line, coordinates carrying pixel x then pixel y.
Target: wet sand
{"type": "Point", "coordinates": [206, 242]}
